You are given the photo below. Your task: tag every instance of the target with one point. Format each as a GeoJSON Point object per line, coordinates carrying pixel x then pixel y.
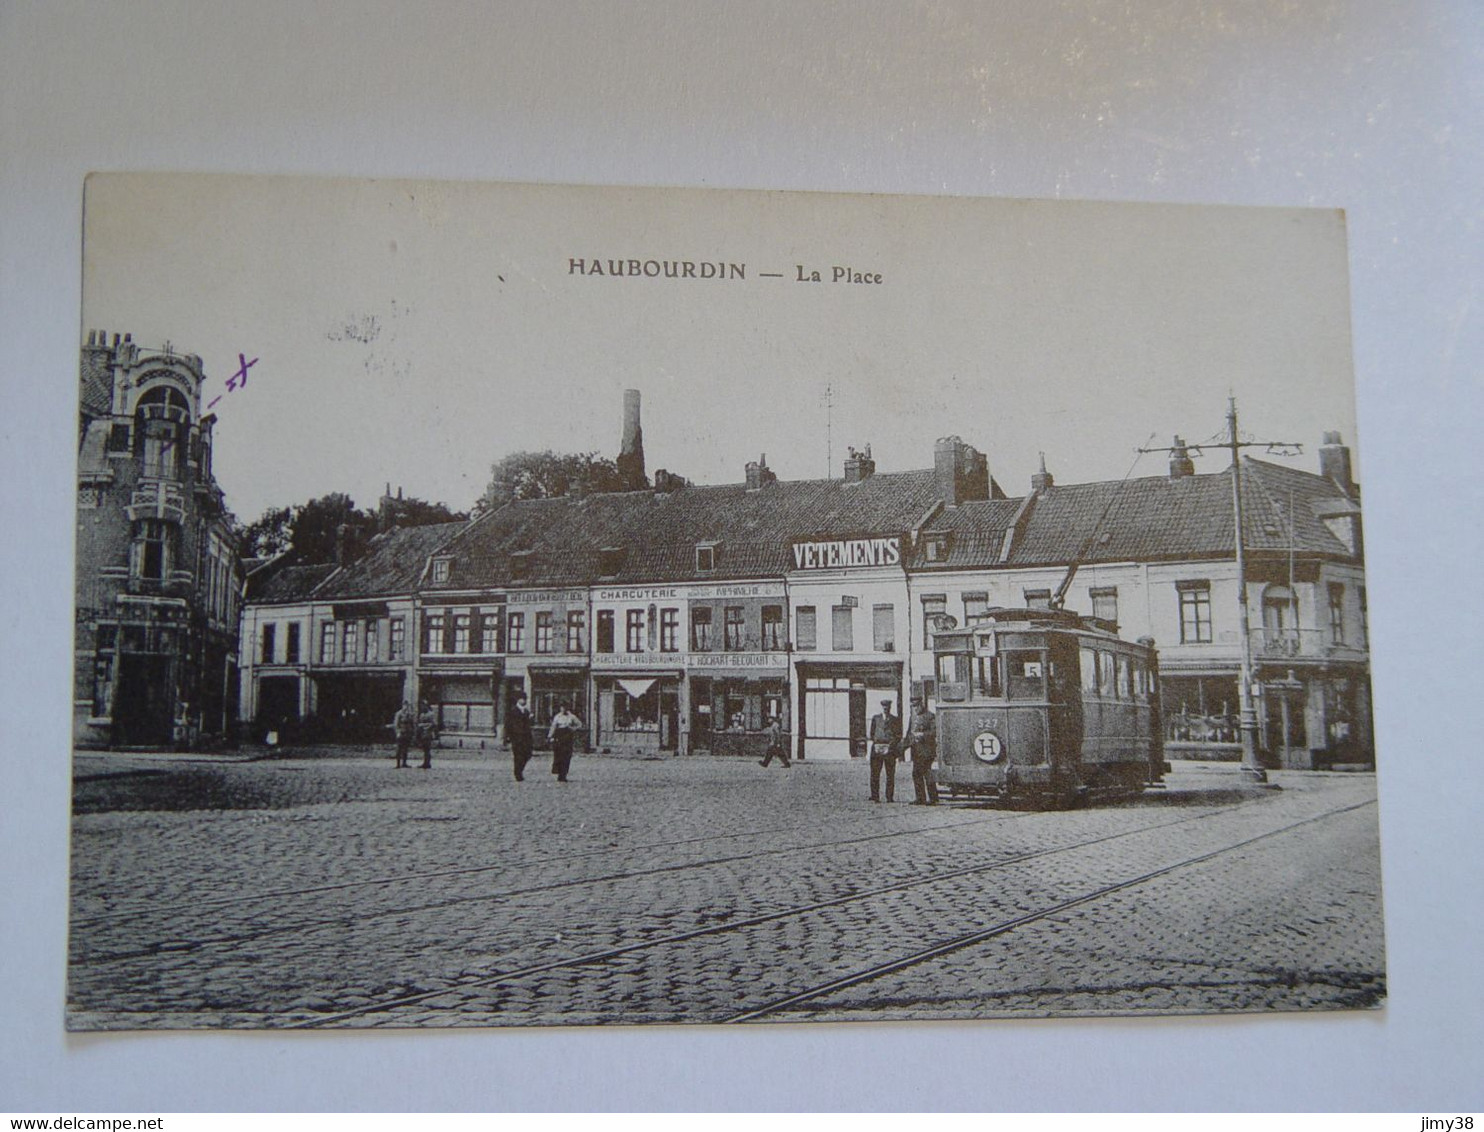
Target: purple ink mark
{"type": "Point", "coordinates": [212, 403]}
{"type": "Point", "coordinates": [239, 379]}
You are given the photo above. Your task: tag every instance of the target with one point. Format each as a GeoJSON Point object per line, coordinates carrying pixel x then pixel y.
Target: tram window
{"type": "Point", "coordinates": [1105, 673]}
{"type": "Point", "coordinates": [953, 677]}
{"type": "Point", "coordinates": [989, 676]}
{"type": "Point", "coordinates": [1125, 682]}
{"type": "Point", "coordinates": [1141, 680]}
{"type": "Point", "coordinates": [1025, 676]}
{"type": "Point", "coordinates": [1089, 671]}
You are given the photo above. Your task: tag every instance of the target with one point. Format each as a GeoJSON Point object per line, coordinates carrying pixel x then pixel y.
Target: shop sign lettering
{"type": "Point", "coordinates": [840, 554]}
{"type": "Point", "coordinates": [736, 660]}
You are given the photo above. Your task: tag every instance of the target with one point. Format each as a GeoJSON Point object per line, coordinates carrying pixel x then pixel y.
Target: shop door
{"type": "Point", "coordinates": [669, 719]}
{"type": "Point", "coordinates": [144, 705]}
{"type": "Point", "coordinates": [858, 722]}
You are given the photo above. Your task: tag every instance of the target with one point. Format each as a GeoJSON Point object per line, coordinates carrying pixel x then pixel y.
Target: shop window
{"type": "Point", "coordinates": [883, 628]}
{"type": "Point", "coordinates": [842, 628]}
{"type": "Point", "coordinates": [440, 571]}
{"type": "Point", "coordinates": [634, 630]}
{"type": "Point", "coordinates": [433, 631]}
{"type": "Point", "coordinates": [610, 561]}
{"type": "Point", "coordinates": [700, 629]}
{"type": "Point", "coordinates": [270, 633]}
{"type": "Point", "coordinates": [543, 631]}
{"type": "Point", "coordinates": [397, 639]}
{"type": "Point", "coordinates": [461, 632]}
{"type": "Point", "coordinates": [605, 630]}
{"type": "Point", "coordinates": [669, 630]}
{"type": "Point", "coordinates": [348, 637]}
{"type": "Point", "coordinates": [1336, 613]}
{"type": "Point", "coordinates": [773, 628]}
{"type": "Point", "coordinates": [1037, 599]}
{"type": "Point", "coordinates": [1195, 612]}
{"type": "Point", "coordinates": [327, 643]}
{"type": "Point", "coordinates": [515, 632]}
{"type": "Point", "coordinates": [805, 628]}
{"type": "Point", "coordinates": [934, 606]}
{"type": "Point", "coordinates": [735, 633]}
{"type": "Point", "coordinates": [576, 625]}
{"type": "Point", "coordinates": [373, 641]}
{"type": "Point", "coordinates": [291, 644]}
{"type": "Point", "coordinates": [976, 608]}
{"type": "Point", "coordinates": [1105, 603]}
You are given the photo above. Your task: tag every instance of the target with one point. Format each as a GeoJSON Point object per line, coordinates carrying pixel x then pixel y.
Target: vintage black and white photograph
{"type": "Point", "coordinates": [529, 605]}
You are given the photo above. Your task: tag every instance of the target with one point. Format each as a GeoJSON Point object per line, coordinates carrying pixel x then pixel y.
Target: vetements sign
{"type": "Point", "coordinates": [839, 554]}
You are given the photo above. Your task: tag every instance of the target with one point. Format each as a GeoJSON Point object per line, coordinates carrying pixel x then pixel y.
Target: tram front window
{"type": "Point", "coordinates": [1025, 675]}
{"type": "Point", "coordinates": [953, 677]}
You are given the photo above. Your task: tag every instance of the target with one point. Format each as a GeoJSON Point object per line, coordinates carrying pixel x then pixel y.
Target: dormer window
{"type": "Point", "coordinates": [935, 546]}
{"type": "Point", "coordinates": [706, 554]}
{"type": "Point", "coordinates": [610, 561]}
{"type": "Point", "coordinates": [520, 564]}
{"type": "Point", "coordinates": [440, 570]}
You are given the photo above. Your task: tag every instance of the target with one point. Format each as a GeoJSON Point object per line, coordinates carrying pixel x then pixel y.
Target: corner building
{"type": "Point", "coordinates": [159, 578]}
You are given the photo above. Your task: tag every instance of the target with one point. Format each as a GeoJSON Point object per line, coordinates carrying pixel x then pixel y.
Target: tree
{"type": "Point", "coordinates": [316, 527]}
{"type": "Point", "coordinates": [309, 531]}
{"type": "Point", "coordinates": [269, 534]}
{"type": "Point", "coordinates": [542, 475]}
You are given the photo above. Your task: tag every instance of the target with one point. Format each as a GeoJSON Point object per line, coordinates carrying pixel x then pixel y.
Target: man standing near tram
{"type": "Point", "coordinates": [922, 739]}
{"type": "Point", "coordinates": [886, 747]}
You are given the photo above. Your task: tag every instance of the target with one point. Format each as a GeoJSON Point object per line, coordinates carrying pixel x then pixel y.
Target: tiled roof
{"type": "Point", "coordinates": [285, 581]}
{"type": "Point", "coordinates": [659, 533]}
{"type": "Point", "coordinates": [1158, 518]}
{"type": "Point", "coordinates": [392, 563]}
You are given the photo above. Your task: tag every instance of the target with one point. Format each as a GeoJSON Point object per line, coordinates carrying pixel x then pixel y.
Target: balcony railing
{"type": "Point", "coordinates": [1298, 644]}
{"type": "Point", "coordinates": [155, 499]}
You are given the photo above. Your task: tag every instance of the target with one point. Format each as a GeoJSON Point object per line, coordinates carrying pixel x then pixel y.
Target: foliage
{"type": "Point", "coordinates": [309, 530]}
{"type": "Point", "coordinates": [541, 475]}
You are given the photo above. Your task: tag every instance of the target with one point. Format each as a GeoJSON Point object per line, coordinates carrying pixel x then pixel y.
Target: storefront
{"type": "Point", "coordinates": [836, 703]}
{"type": "Point", "coordinates": [547, 688]}
{"type": "Point", "coordinates": [639, 711]}
{"type": "Point", "coordinates": [733, 699]}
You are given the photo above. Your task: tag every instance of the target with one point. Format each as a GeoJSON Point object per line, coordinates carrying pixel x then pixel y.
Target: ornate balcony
{"type": "Point", "coordinates": [157, 499]}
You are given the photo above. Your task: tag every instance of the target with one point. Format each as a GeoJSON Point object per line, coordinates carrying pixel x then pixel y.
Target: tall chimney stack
{"type": "Point", "coordinates": [1334, 463]}
{"type": "Point", "coordinates": [1181, 465]}
{"type": "Point", "coordinates": [631, 452]}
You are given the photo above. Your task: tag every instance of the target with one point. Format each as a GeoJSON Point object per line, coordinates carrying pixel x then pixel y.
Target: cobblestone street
{"type": "Point", "coordinates": [333, 889]}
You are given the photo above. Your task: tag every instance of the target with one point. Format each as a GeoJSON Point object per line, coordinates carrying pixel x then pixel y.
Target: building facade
{"type": "Point", "coordinates": [159, 577]}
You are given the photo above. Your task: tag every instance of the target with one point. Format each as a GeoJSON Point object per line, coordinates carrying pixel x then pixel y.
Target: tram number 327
{"type": "Point", "coordinates": [988, 748]}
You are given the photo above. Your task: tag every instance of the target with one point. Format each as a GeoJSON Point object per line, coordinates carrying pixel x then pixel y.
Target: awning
{"type": "Point", "coordinates": [636, 688]}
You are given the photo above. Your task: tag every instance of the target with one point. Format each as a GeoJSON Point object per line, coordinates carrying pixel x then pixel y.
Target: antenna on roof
{"type": "Point", "coordinates": [829, 434]}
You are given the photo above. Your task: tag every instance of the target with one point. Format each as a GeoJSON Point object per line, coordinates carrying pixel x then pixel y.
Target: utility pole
{"type": "Point", "coordinates": [1251, 767]}
{"type": "Point", "coordinates": [829, 430]}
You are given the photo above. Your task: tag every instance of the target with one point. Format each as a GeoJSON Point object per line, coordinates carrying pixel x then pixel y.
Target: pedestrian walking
{"type": "Point", "coordinates": [404, 728]}
{"type": "Point", "coordinates": [922, 738]}
{"type": "Point", "coordinates": [776, 746]}
{"type": "Point", "coordinates": [427, 729]}
{"type": "Point", "coordinates": [563, 735]}
{"type": "Point", "coordinates": [518, 731]}
{"type": "Point", "coordinates": [885, 738]}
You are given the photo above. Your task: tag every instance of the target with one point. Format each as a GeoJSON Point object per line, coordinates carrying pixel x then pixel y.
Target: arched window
{"type": "Point", "coordinates": [161, 431]}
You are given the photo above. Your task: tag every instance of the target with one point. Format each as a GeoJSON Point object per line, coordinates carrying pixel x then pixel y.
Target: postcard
{"type": "Point", "coordinates": [534, 605]}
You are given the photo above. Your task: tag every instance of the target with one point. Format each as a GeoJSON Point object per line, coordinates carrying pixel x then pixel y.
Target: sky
{"type": "Point", "coordinates": [412, 333]}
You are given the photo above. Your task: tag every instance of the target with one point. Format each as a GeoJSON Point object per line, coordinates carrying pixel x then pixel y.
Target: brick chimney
{"type": "Point", "coordinates": [859, 465]}
{"type": "Point", "coordinates": [961, 472]}
{"type": "Point", "coordinates": [759, 475]}
{"type": "Point", "coordinates": [631, 451]}
{"type": "Point", "coordinates": [1181, 465]}
{"type": "Point", "coordinates": [1042, 479]}
{"type": "Point", "coordinates": [1334, 463]}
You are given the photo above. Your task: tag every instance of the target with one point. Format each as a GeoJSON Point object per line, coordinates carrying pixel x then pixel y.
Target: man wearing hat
{"type": "Point", "coordinates": [886, 742]}
{"type": "Point", "coordinates": [922, 738]}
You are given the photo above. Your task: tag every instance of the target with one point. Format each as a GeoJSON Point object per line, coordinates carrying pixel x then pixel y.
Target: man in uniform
{"type": "Point", "coordinates": [922, 738]}
{"type": "Point", "coordinates": [776, 749]}
{"type": "Point", "coordinates": [885, 738]}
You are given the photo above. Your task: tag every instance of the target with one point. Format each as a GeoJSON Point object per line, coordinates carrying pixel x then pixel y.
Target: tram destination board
{"type": "Point", "coordinates": [522, 605]}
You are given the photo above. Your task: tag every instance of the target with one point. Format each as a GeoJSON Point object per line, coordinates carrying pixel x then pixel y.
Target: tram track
{"type": "Point", "coordinates": [971, 939]}
{"type": "Point", "coordinates": [604, 955]}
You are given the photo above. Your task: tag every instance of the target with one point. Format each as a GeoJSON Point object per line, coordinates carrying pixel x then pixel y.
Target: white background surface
{"type": "Point", "coordinates": [1374, 108]}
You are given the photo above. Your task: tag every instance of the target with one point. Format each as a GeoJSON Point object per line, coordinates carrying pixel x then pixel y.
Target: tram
{"type": "Point", "coordinates": [1046, 708]}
